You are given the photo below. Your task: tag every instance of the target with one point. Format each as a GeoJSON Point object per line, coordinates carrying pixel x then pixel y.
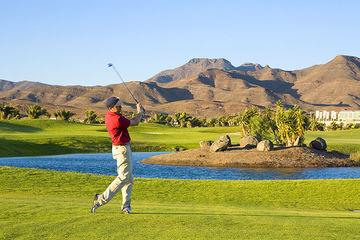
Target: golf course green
{"type": "Point", "coordinates": [49, 137]}
{"type": "Point", "coordinates": [39, 204]}
{"type": "Point", "coordinates": [42, 204]}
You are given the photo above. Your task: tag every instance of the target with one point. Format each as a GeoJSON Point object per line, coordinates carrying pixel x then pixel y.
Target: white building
{"type": "Point", "coordinates": [333, 115]}
{"type": "Point", "coordinates": [344, 116]}
{"type": "Point", "coordinates": [349, 116]}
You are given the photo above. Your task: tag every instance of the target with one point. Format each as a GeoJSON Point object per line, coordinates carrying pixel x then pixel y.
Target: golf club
{"type": "Point", "coordinates": [112, 65]}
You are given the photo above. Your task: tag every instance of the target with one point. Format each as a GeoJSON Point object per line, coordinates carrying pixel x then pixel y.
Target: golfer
{"type": "Point", "coordinates": [117, 126]}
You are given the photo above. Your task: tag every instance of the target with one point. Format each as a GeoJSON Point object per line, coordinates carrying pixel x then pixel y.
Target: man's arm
{"type": "Point", "coordinates": [140, 113]}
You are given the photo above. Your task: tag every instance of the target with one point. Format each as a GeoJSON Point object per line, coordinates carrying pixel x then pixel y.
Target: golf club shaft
{"type": "Point", "coordinates": [112, 65]}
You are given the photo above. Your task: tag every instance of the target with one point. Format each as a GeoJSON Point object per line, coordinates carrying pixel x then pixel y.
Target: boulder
{"type": "Point", "coordinates": [318, 144]}
{"type": "Point", "coordinates": [265, 145]}
{"type": "Point", "coordinates": [226, 138]}
{"type": "Point", "coordinates": [205, 144]}
{"type": "Point", "coordinates": [299, 141]}
{"type": "Point", "coordinates": [221, 144]}
{"type": "Point", "coordinates": [178, 149]}
{"type": "Point", "coordinates": [248, 142]}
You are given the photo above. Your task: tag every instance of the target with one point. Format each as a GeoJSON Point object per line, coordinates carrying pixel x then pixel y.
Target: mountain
{"type": "Point", "coordinates": [336, 82]}
{"type": "Point", "coordinates": [192, 68]}
{"type": "Point", "coordinates": [209, 87]}
{"type": "Point", "coordinates": [249, 67]}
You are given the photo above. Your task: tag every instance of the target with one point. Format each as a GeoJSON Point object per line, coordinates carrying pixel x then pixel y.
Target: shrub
{"type": "Point", "coordinates": [314, 125]}
{"type": "Point", "coordinates": [333, 126]}
{"type": "Point", "coordinates": [290, 123]}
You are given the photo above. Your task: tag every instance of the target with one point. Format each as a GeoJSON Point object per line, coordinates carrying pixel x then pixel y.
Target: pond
{"type": "Point", "coordinates": [102, 163]}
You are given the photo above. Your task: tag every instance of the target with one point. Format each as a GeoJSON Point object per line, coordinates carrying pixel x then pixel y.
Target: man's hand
{"type": "Point", "coordinates": [140, 108]}
{"type": "Point", "coordinates": [140, 111]}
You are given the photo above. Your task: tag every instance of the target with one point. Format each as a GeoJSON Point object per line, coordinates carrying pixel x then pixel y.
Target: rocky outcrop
{"type": "Point", "coordinates": [289, 157]}
{"type": "Point", "coordinates": [221, 144]}
{"type": "Point", "coordinates": [265, 145]}
{"type": "Point", "coordinates": [318, 144]}
{"type": "Point", "coordinates": [248, 142]}
{"type": "Point", "coordinates": [205, 144]}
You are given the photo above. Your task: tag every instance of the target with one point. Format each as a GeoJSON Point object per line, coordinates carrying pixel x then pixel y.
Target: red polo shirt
{"type": "Point", "coordinates": [117, 125]}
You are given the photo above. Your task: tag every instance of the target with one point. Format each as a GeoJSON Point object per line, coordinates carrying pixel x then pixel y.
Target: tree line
{"type": "Point", "coordinates": [35, 112]}
{"type": "Point", "coordinates": [285, 125]}
{"type": "Point", "coordinates": [280, 122]}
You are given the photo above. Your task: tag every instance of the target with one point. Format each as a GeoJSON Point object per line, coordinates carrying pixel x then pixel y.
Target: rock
{"type": "Point", "coordinates": [225, 138]}
{"type": "Point", "coordinates": [299, 141]}
{"type": "Point", "coordinates": [248, 142]}
{"type": "Point", "coordinates": [221, 144]}
{"type": "Point", "coordinates": [265, 146]}
{"type": "Point", "coordinates": [178, 149]}
{"type": "Point", "coordinates": [318, 144]}
{"type": "Point", "coordinates": [205, 144]}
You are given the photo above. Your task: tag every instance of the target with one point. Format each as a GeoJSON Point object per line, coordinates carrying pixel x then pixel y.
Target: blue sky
{"type": "Point", "coordinates": [70, 42]}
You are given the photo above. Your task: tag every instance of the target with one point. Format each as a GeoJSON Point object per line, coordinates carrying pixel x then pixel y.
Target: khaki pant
{"type": "Point", "coordinates": [124, 180]}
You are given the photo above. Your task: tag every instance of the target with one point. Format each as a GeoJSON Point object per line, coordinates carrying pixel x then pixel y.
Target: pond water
{"type": "Point", "coordinates": [102, 163]}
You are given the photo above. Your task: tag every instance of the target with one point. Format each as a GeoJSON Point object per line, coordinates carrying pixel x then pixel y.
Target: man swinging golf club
{"type": "Point", "coordinates": [117, 125]}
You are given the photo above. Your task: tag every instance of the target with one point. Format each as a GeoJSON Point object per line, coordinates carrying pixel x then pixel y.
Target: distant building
{"type": "Point", "coordinates": [333, 115]}
{"type": "Point", "coordinates": [344, 116]}
{"type": "Point", "coordinates": [349, 116]}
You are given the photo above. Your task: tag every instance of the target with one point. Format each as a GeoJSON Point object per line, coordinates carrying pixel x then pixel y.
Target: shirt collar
{"type": "Point", "coordinates": [114, 113]}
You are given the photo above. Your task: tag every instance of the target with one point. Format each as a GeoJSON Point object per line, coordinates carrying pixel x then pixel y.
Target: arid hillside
{"type": "Point", "coordinates": [208, 87]}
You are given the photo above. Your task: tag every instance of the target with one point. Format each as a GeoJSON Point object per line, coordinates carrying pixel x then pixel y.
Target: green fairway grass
{"type": "Point", "coordinates": [46, 137]}
{"type": "Point", "coordinates": [41, 204]}
{"type": "Point", "coordinates": [347, 141]}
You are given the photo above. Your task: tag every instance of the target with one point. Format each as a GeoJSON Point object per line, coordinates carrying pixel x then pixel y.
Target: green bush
{"type": "Point", "coordinates": [290, 123]}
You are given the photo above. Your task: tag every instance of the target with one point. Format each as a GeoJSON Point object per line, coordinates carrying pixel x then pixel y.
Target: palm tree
{"type": "Point", "coordinates": [8, 112]}
{"type": "Point", "coordinates": [268, 116]}
{"type": "Point", "coordinates": [91, 117]}
{"type": "Point", "coordinates": [35, 111]}
{"type": "Point", "coordinates": [291, 124]}
{"type": "Point", "coordinates": [223, 121]}
{"type": "Point", "coordinates": [181, 119]}
{"type": "Point", "coordinates": [314, 125]}
{"type": "Point", "coordinates": [176, 119]}
{"type": "Point", "coordinates": [169, 120]}
{"type": "Point", "coordinates": [63, 114]}
{"type": "Point", "coordinates": [159, 118]}
{"type": "Point", "coordinates": [244, 119]}
{"type": "Point", "coordinates": [211, 122]}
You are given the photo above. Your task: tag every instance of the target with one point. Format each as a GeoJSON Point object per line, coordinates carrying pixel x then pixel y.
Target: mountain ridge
{"type": "Point", "coordinates": [209, 87]}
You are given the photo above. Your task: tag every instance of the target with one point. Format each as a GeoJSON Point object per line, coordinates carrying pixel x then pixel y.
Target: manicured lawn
{"type": "Point", "coordinates": [347, 141]}
{"type": "Point", "coordinates": [39, 204]}
{"type": "Point", "coordinates": [44, 137]}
